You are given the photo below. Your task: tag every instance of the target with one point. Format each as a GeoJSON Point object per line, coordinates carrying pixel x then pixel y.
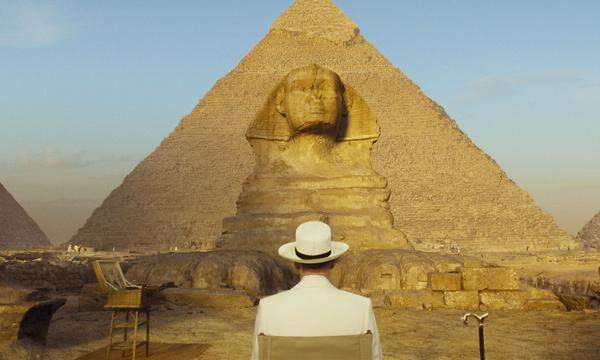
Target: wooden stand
{"type": "Point", "coordinates": [135, 323]}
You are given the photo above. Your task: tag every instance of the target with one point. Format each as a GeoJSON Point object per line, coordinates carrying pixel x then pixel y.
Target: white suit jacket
{"type": "Point", "coordinates": [314, 307]}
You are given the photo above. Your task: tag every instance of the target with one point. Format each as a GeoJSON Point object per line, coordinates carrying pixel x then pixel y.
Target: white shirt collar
{"type": "Point", "coordinates": [312, 281]}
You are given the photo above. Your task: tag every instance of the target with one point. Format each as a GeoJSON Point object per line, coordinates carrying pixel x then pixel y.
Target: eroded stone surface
{"type": "Point", "coordinates": [254, 272]}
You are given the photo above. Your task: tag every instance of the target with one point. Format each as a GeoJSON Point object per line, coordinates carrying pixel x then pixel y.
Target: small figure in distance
{"type": "Point", "coordinates": [314, 307]}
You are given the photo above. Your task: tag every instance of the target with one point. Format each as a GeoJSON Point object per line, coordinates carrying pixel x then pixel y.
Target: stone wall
{"type": "Point", "coordinates": [411, 279]}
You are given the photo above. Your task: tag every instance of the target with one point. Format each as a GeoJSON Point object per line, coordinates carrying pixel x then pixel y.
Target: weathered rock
{"type": "Point", "coordinates": [542, 300]}
{"type": "Point", "coordinates": [379, 298]}
{"type": "Point", "coordinates": [442, 185]}
{"type": "Point", "coordinates": [256, 273]}
{"type": "Point", "coordinates": [46, 273]}
{"type": "Point", "coordinates": [544, 305]}
{"type": "Point", "coordinates": [446, 281]}
{"type": "Point", "coordinates": [461, 299]}
{"type": "Point", "coordinates": [391, 269]}
{"type": "Point", "coordinates": [221, 299]}
{"type": "Point", "coordinates": [17, 229]}
{"type": "Point", "coordinates": [490, 278]}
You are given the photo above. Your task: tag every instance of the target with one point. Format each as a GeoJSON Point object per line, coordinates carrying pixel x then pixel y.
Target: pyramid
{"type": "Point", "coordinates": [444, 189]}
{"type": "Point", "coordinates": [17, 229]}
{"type": "Point", "coordinates": [589, 236]}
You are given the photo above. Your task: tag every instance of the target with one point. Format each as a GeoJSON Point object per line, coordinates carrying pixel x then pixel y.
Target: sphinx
{"type": "Point", "coordinates": [312, 143]}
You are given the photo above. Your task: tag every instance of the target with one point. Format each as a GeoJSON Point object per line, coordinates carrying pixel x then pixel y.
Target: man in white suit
{"type": "Point", "coordinates": [314, 307]}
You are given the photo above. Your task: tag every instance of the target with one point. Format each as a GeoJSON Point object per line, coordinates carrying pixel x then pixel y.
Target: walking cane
{"type": "Point", "coordinates": [465, 320]}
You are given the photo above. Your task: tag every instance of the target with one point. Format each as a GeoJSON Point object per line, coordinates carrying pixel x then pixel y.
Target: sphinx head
{"type": "Point", "coordinates": [311, 99]}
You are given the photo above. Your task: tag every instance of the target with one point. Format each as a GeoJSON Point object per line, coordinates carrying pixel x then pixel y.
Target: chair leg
{"type": "Point", "coordinates": [125, 330]}
{"type": "Point", "coordinates": [147, 333]}
{"type": "Point", "coordinates": [110, 333]}
{"type": "Point", "coordinates": [135, 330]}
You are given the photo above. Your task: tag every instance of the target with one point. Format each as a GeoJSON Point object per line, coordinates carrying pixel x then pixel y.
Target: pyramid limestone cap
{"type": "Point", "coordinates": [318, 18]}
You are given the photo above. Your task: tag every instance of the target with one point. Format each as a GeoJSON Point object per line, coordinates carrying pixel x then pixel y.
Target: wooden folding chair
{"type": "Point", "coordinates": [351, 347]}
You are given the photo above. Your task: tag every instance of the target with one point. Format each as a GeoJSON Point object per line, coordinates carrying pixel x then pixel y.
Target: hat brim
{"type": "Point", "coordinates": [288, 251]}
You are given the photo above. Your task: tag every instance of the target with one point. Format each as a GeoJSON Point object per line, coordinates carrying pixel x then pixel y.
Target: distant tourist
{"type": "Point", "coordinates": [314, 307]}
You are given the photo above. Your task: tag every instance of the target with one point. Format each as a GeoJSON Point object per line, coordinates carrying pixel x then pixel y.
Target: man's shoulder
{"type": "Point", "coordinates": [354, 297]}
{"type": "Point", "coordinates": [341, 295]}
{"type": "Point", "coordinates": [267, 300]}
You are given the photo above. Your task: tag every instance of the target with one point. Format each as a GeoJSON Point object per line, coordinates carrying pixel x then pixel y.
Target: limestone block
{"type": "Point", "coordinates": [502, 300]}
{"type": "Point", "coordinates": [461, 299]}
{"type": "Point", "coordinates": [490, 278]}
{"type": "Point", "coordinates": [416, 299]}
{"type": "Point", "coordinates": [220, 299]}
{"type": "Point", "coordinates": [446, 281]}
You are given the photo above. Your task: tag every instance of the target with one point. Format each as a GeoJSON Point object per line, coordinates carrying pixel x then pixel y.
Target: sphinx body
{"type": "Point", "coordinates": [312, 142]}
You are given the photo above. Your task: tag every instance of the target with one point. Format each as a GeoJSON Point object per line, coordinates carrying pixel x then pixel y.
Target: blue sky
{"type": "Point", "coordinates": [88, 88]}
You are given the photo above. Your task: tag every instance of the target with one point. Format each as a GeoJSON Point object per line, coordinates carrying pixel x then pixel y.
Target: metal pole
{"type": "Point", "coordinates": [481, 342]}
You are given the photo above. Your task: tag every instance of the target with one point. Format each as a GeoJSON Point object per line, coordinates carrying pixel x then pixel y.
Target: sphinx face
{"type": "Point", "coordinates": [313, 100]}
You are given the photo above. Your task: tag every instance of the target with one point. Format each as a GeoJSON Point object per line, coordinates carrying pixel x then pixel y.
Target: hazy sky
{"type": "Point", "coordinates": [89, 88]}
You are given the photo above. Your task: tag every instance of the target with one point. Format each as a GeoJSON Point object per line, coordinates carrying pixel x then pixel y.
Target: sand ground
{"type": "Point", "coordinates": [406, 334]}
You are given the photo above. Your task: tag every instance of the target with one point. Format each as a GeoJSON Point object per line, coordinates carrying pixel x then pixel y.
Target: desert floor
{"type": "Point", "coordinates": [406, 334]}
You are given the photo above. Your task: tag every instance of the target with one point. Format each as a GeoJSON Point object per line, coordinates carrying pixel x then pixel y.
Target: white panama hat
{"type": "Point", "coordinates": [313, 245]}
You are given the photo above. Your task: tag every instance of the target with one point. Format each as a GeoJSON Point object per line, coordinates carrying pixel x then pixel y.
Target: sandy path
{"type": "Point", "coordinates": [406, 334]}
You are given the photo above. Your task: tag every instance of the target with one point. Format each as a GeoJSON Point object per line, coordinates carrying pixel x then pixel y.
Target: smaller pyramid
{"type": "Point", "coordinates": [17, 229]}
{"type": "Point", "coordinates": [589, 236]}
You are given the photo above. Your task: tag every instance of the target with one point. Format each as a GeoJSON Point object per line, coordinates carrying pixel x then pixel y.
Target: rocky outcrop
{"type": "Point", "coordinates": [444, 190]}
{"type": "Point", "coordinates": [251, 271]}
{"type": "Point", "coordinates": [17, 229]}
{"type": "Point", "coordinates": [589, 235]}
{"type": "Point", "coordinates": [44, 271]}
